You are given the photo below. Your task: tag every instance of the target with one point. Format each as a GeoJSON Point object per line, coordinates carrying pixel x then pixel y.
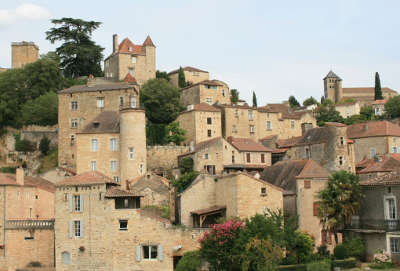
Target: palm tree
{"type": "Point", "coordinates": [339, 201]}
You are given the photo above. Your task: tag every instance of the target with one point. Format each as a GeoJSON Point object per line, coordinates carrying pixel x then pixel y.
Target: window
{"type": "Point", "coordinates": [391, 209]}
{"type": "Point", "coordinates": [307, 184]}
{"type": "Point", "coordinates": [209, 120]}
{"type": "Point", "coordinates": [209, 133]}
{"type": "Point", "coordinates": [236, 113]}
{"type": "Point", "coordinates": [269, 125]}
{"type": "Point", "coordinates": [141, 168]}
{"type": "Point", "coordinates": [77, 228]}
{"type": "Point", "coordinates": [133, 102]}
{"type": "Point", "coordinates": [233, 157]}
{"type": "Point", "coordinates": [93, 165]}
{"type": "Point", "coordinates": [340, 160]}
{"type": "Point", "coordinates": [206, 156]}
{"type": "Point", "coordinates": [341, 141]}
{"type": "Point", "coordinates": [251, 129]}
{"type": "Point", "coordinates": [121, 101]}
{"type": "Point", "coordinates": [113, 165]}
{"type": "Point", "coordinates": [234, 130]}
{"type": "Point", "coordinates": [116, 179]}
{"type": "Point", "coordinates": [394, 149]}
{"type": "Point", "coordinates": [94, 146]}
{"type": "Point", "coordinates": [77, 203]}
{"type": "Point", "coordinates": [372, 152]}
{"type": "Point", "coordinates": [292, 124]}
{"type": "Point", "coordinates": [66, 257]}
{"type": "Point", "coordinates": [263, 191]}
{"type": "Point", "coordinates": [315, 209]}
{"type": "Point", "coordinates": [250, 114]}
{"type": "Point", "coordinates": [308, 153]}
{"type": "Point", "coordinates": [123, 225]}
{"type": "Point", "coordinates": [133, 59]}
{"type": "Point", "coordinates": [130, 49]}
{"type": "Point", "coordinates": [74, 105]}
{"type": "Point", "coordinates": [210, 169]}
{"type": "Point", "coordinates": [209, 100]}
{"type": "Point", "coordinates": [131, 153]}
{"type": "Point", "coordinates": [395, 245]}
{"type": "Point", "coordinates": [72, 140]}
{"type": "Point", "coordinates": [223, 92]}
{"type": "Point", "coordinates": [113, 144]}
{"type": "Point", "coordinates": [100, 102]}
{"type": "Point", "coordinates": [127, 203]}
{"type": "Point", "coordinates": [262, 158]}
{"type": "Point", "coordinates": [248, 157]}
{"type": "Point", "coordinates": [74, 123]}
{"type": "Point", "coordinates": [150, 252]}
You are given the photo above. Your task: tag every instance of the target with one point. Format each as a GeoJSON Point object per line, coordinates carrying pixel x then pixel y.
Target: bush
{"type": "Point", "coordinates": [293, 267]}
{"type": "Point", "coordinates": [190, 261]}
{"type": "Point", "coordinates": [44, 145]}
{"type": "Point", "coordinates": [323, 251]}
{"type": "Point", "coordinates": [382, 265]}
{"type": "Point", "coordinates": [186, 165]}
{"type": "Point", "coordinates": [319, 266]}
{"type": "Point", "coordinates": [347, 263]}
{"type": "Point", "coordinates": [8, 170]}
{"type": "Point", "coordinates": [34, 264]}
{"type": "Point", "coordinates": [340, 252]}
{"type": "Point", "coordinates": [24, 145]}
{"type": "Point", "coordinates": [355, 247]}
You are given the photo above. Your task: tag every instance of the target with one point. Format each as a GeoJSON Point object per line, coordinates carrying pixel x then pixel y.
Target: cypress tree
{"type": "Point", "coordinates": [254, 99]}
{"type": "Point", "coordinates": [378, 89]}
{"type": "Point", "coordinates": [181, 78]}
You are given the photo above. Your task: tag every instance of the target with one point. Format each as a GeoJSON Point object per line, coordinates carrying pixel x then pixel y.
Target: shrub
{"type": "Point", "coordinates": [323, 251]}
{"type": "Point", "coordinates": [355, 246]}
{"type": "Point", "coordinates": [382, 265]}
{"type": "Point", "coordinates": [347, 263]}
{"type": "Point", "coordinates": [293, 267]}
{"type": "Point", "coordinates": [319, 266]}
{"type": "Point", "coordinates": [23, 145]}
{"type": "Point", "coordinates": [8, 170]}
{"type": "Point", "coordinates": [44, 145]}
{"type": "Point", "coordinates": [34, 264]}
{"type": "Point", "coordinates": [190, 261]}
{"type": "Point", "coordinates": [340, 252]}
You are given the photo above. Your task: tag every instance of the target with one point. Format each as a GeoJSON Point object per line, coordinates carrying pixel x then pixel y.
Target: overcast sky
{"type": "Point", "coordinates": [276, 48]}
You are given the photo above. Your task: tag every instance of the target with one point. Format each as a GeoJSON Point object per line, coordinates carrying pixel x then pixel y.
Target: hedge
{"type": "Point", "coordinates": [347, 263]}
{"type": "Point", "coordinates": [294, 267]}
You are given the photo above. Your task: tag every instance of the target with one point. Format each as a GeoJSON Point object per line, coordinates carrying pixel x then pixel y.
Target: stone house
{"type": "Point", "coordinates": [155, 190]}
{"type": "Point", "coordinates": [139, 61]}
{"type": "Point", "coordinates": [201, 122]}
{"type": "Point", "coordinates": [114, 143]}
{"type": "Point", "coordinates": [301, 180]}
{"type": "Point", "coordinates": [379, 107]}
{"type": "Point", "coordinates": [206, 91]}
{"type": "Point", "coordinates": [347, 110]}
{"type": "Point", "coordinates": [192, 76]}
{"type": "Point", "coordinates": [26, 221]}
{"type": "Point", "coordinates": [102, 227]}
{"type": "Point", "coordinates": [79, 105]}
{"type": "Point", "coordinates": [379, 168]}
{"type": "Point", "coordinates": [374, 138]}
{"type": "Point", "coordinates": [218, 155]}
{"type": "Point", "coordinates": [209, 198]}
{"type": "Point", "coordinates": [378, 220]}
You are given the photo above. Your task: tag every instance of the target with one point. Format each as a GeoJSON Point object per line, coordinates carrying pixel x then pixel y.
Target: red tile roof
{"type": "Point", "coordinates": [373, 128]}
{"type": "Point", "coordinates": [148, 42]}
{"type": "Point", "coordinates": [115, 192]}
{"type": "Point", "coordinates": [10, 179]}
{"type": "Point", "coordinates": [335, 124]}
{"type": "Point", "coordinates": [365, 163]}
{"type": "Point", "coordinates": [380, 102]}
{"type": "Point", "coordinates": [313, 170]}
{"type": "Point", "coordinates": [127, 46]}
{"type": "Point", "coordinates": [247, 144]}
{"type": "Point", "coordinates": [391, 178]}
{"type": "Point", "coordinates": [87, 178]}
{"type": "Point", "coordinates": [212, 209]}
{"type": "Point", "coordinates": [387, 165]}
{"type": "Point", "coordinates": [130, 79]}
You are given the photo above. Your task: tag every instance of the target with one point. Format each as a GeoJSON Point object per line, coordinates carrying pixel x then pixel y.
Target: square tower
{"type": "Point", "coordinates": [333, 87]}
{"type": "Point", "coordinates": [23, 53]}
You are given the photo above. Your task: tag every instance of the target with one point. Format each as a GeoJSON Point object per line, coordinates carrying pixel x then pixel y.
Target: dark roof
{"type": "Point", "coordinates": [373, 128]}
{"type": "Point", "coordinates": [154, 182]}
{"type": "Point", "coordinates": [247, 144]}
{"type": "Point", "coordinates": [209, 210]}
{"type": "Point", "coordinates": [100, 87]}
{"type": "Point", "coordinates": [289, 142]}
{"type": "Point", "coordinates": [331, 74]}
{"type": "Point", "coordinates": [105, 122]}
{"type": "Point", "coordinates": [391, 178]}
{"type": "Point", "coordinates": [127, 44]}
{"type": "Point", "coordinates": [284, 173]}
{"type": "Point", "coordinates": [246, 166]}
{"type": "Point", "coordinates": [87, 178]}
{"type": "Point", "coordinates": [189, 69]}
{"type": "Point", "coordinates": [115, 192]}
{"type": "Point", "coordinates": [387, 165]}
{"type": "Point", "coordinates": [10, 179]}
{"type": "Point", "coordinates": [315, 136]}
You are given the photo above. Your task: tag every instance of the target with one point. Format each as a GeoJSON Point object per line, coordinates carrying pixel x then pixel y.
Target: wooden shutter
{"type": "Point", "coordinates": [262, 158]}
{"type": "Point", "coordinates": [307, 184]}
{"type": "Point", "coordinates": [81, 202]}
{"type": "Point", "coordinates": [315, 208]}
{"type": "Point", "coordinates": [138, 252]}
{"type": "Point", "coordinates": [160, 253]}
{"type": "Point", "coordinates": [70, 229]}
{"type": "Point", "coordinates": [248, 157]}
{"type": "Point", "coordinates": [70, 203]}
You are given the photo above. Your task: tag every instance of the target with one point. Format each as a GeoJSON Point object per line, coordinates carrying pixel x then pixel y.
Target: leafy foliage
{"type": "Point", "coordinates": [355, 246]}
{"type": "Point", "coordinates": [23, 145]}
{"type": "Point", "coordinates": [160, 100]}
{"type": "Point", "coordinates": [310, 101]}
{"type": "Point", "coordinates": [49, 161]}
{"type": "Point", "coordinates": [261, 254]}
{"type": "Point", "coordinates": [181, 78]}
{"type": "Point", "coordinates": [41, 111]}
{"type": "Point", "coordinates": [190, 261]}
{"type": "Point", "coordinates": [319, 266]}
{"type": "Point", "coordinates": [254, 99]}
{"type": "Point", "coordinates": [185, 180]}
{"type": "Point", "coordinates": [293, 103]}
{"type": "Point", "coordinates": [341, 252]}
{"type": "Point", "coordinates": [234, 96]}
{"type": "Point", "coordinates": [162, 75]}
{"type": "Point", "coordinates": [174, 133]}
{"type": "Point", "coordinates": [392, 107]}
{"type": "Point", "coordinates": [326, 112]}
{"type": "Point", "coordinates": [346, 100]}
{"type": "Point", "coordinates": [79, 55]}
{"type": "Point", "coordinates": [44, 145]}
{"type": "Point", "coordinates": [366, 114]}
{"type": "Point", "coordinates": [186, 165]}
{"type": "Point", "coordinates": [155, 133]}
{"type": "Point", "coordinates": [378, 89]}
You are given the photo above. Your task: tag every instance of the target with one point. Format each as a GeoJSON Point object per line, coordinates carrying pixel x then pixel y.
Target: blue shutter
{"type": "Point", "coordinates": [70, 229]}
{"type": "Point", "coordinates": [160, 252]}
{"type": "Point", "coordinates": [81, 202]}
{"type": "Point", "coordinates": [82, 229]}
{"type": "Point", "coordinates": [70, 203]}
{"type": "Point", "coordinates": [138, 252]}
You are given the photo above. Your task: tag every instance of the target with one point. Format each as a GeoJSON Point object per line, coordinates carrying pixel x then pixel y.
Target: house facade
{"type": "Point", "coordinates": [206, 91]}
{"type": "Point", "coordinates": [192, 76]}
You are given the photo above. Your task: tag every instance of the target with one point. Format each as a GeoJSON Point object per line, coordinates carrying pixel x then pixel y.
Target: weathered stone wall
{"type": "Point", "coordinates": [190, 95]}
{"type": "Point", "coordinates": [191, 77]}
{"type": "Point", "coordinates": [23, 53]}
{"type": "Point", "coordinates": [163, 158]}
{"type": "Point", "coordinates": [35, 137]}
{"type": "Point", "coordinates": [363, 146]}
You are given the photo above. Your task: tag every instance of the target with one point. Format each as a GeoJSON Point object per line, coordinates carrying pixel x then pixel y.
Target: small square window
{"type": "Point", "coordinates": [209, 120]}
{"type": "Point", "coordinates": [206, 156]}
{"type": "Point", "coordinates": [150, 252]}
{"type": "Point", "coordinates": [123, 225]}
{"type": "Point", "coordinates": [263, 191]}
{"type": "Point", "coordinates": [116, 179]}
{"type": "Point", "coordinates": [93, 165]}
{"type": "Point", "coordinates": [74, 123]}
{"type": "Point", "coordinates": [209, 134]}
{"type": "Point", "coordinates": [94, 145]}
{"type": "Point", "coordinates": [100, 102]}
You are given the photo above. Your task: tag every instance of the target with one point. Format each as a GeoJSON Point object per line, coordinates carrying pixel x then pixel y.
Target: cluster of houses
{"type": "Point", "coordinates": [114, 208]}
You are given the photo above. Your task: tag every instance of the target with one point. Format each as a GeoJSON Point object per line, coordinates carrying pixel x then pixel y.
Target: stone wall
{"type": "Point", "coordinates": [363, 146]}
{"type": "Point", "coordinates": [23, 53]}
{"type": "Point", "coordinates": [163, 158]}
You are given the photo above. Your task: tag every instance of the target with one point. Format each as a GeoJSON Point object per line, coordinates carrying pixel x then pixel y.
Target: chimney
{"type": "Point", "coordinates": [19, 176]}
{"type": "Point", "coordinates": [115, 43]}
{"type": "Point", "coordinates": [305, 127]}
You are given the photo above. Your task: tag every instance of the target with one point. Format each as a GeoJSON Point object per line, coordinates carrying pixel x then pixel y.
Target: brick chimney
{"type": "Point", "coordinates": [19, 176]}
{"type": "Point", "coordinates": [115, 43]}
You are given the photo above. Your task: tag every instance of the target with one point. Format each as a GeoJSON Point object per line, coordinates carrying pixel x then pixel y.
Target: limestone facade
{"type": "Point", "coordinates": [23, 53]}
{"type": "Point", "coordinates": [161, 159]}
{"type": "Point", "coordinates": [207, 91]}
{"type": "Point", "coordinates": [192, 76]}
{"type": "Point", "coordinates": [347, 110]}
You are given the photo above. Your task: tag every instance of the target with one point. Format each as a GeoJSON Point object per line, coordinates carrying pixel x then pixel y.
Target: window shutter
{"type": "Point", "coordinates": [81, 202]}
{"type": "Point", "coordinates": [138, 251]}
{"type": "Point", "coordinates": [82, 229]}
{"type": "Point", "coordinates": [70, 229]}
{"type": "Point", "coordinates": [70, 203]}
{"type": "Point", "coordinates": [315, 209]}
{"type": "Point", "coordinates": [160, 252]}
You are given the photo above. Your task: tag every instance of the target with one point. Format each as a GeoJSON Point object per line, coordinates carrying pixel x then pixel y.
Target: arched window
{"type": "Point", "coordinates": [66, 258]}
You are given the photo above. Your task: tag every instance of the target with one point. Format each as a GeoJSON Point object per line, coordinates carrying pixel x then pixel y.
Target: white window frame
{"type": "Point", "coordinates": [149, 247]}
{"type": "Point", "coordinates": [206, 156]}
{"type": "Point", "coordinates": [94, 145]}
{"type": "Point", "coordinates": [133, 59]}
{"type": "Point", "coordinates": [372, 151]}
{"type": "Point", "coordinates": [131, 153]}
{"type": "Point", "coordinates": [395, 149]}
{"type": "Point", "coordinates": [251, 115]}
{"type": "Point", "coordinates": [77, 228]}
{"type": "Point", "coordinates": [269, 127]}
{"type": "Point", "coordinates": [77, 201]}
{"type": "Point", "coordinates": [394, 245]}
{"type": "Point", "coordinates": [93, 165]}
{"type": "Point", "coordinates": [74, 123]}
{"type": "Point", "coordinates": [388, 215]}
{"type": "Point", "coordinates": [113, 165]}
{"type": "Point", "coordinates": [74, 105]}
{"type": "Point", "coordinates": [114, 144]}
{"type": "Point", "coordinates": [123, 220]}
{"type": "Point", "coordinates": [133, 102]}
{"type": "Point", "coordinates": [116, 179]}
{"type": "Point", "coordinates": [100, 102]}
{"type": "Point", "coordinates": [209, 100]}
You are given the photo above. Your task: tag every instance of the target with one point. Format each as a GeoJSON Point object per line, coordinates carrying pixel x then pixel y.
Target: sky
{"type": "Point", "coordinates": [274, 48]}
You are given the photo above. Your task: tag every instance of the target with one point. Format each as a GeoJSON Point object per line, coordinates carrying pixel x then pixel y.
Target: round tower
{"type": "Point", "coordinates": [133, 152]}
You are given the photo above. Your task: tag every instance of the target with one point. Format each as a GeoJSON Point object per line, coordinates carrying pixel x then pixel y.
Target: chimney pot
{"type": "Point", "coordinates": [115, 43]}
{"type": "Point", "coordinates": [19, 176]}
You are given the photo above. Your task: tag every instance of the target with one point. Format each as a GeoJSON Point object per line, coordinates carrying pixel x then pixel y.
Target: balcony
{"type": "Point", "coordinates": [374, 225]}
{"type": "Point", "coordinates": [29, 224]}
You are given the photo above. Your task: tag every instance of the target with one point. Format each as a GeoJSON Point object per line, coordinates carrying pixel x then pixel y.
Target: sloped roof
{"type": "Point", "coordinates": [100, 87]}
{"type": "Point", "coordinates": [289, 142]}
{"type": "Point", "coordinates": [331, 74]}
{"type": "Point", "coordinates": [373, 128]}
{"type": "Point", "coordinates": [115, 192]}
{"type": "Point", "coordinates": [284, 109]}
{"type": "Point", "coordinates": [148, 42]}
{"type": "Point", "coordinates": [315, 136]}
{"type": "Point", "coordinates": [379, 102]}
{"type": "Point", "coordinates": [366, 162]}
{"type": "Point", "coordinates": [284, 173]}
{"type": "Point", "coordinates": [391, 178]}
{"type": "Point", "coordinates": [247, 144]}
{"type": "Point", "coordinates": [205, 107]}
{"type": "Point", "coordinates": [10, 179]}
{"type": "Point", "coordinates": [189, 69]}
{"type": "Point", "coordinates": [387, 165]}
{"type": "Point", "coordinates": [127, 46]}
{"type": "Point", "coordinates": [369, 90]}
{"type": "Point", "coordinates": [87, 178]}
{"type": "Point", "coordinates": [205, 82]}
{"type": "Point", "coordinates": [130, 79]}
{"type": "Point", "coordinates": [154, 182]}
{"type": "Point", "coordinates": [105, 122]}
{"type": "Point", "coordinates": [209, 210]}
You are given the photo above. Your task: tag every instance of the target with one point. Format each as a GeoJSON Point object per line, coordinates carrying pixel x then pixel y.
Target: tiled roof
{"type": "Point", "coordinates": [387, 165]}
{"type": "Point", "coordinates": [365, 163]}
{"type": "Point", "coordinates": [284, 109]}
{"type": "Point", "coordinates": [284, 173]}
{"type": "Point", "coordinates": [212, 209]}
{"type": "Point", "coordinates": [127, 46]}
{"type": "Point", "coordinates": [87, 178]}
{"type": "Point", "coordinates": [105, 122]}
{"type": "Point", "coordinates": [268, 137]}
{"type": "Point", "coordinates": [373, 128]}
{"type": "Point", "coordinates": [115, 192]}
{"type": "Point", "coordinates": [205, 107]}
{"type": "Point", "coordinates": [10, 179]}
{"type": "Point", "coordinates": [369, 90]}
{"type": "Point", "coordinates": [247, 144]}
{"type": "Point", "coordinates": [246, 166]}
{"type": "Point", "coordinates": [335, 124]}
{"type": "Point", "coordinates": [153, 182]}
{"type": "Point", "coordinates": [391, 178]}
{"type": "Point", "coordinates": [205, 82]}
{"type": "Point", "coordinates": [202, 145]}
{"type": "Point", "coordinates": [331, 74]}
{"type": "Point", "coordinates": [148, 42]}
{"type": "Point", "coordinates": [189, 69]}
{"type": "Point", "coordinates": [379, 102]}
{"type": "Point", "coordinates": [130, 79]}
{"type": "Point", "coordinates": [289, 142]}
{"type": "Point", "coordinates": [100, 87]}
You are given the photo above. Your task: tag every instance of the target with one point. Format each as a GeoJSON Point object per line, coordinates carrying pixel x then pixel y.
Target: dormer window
{"type": "Point", "coordinates": [134, 59]}
{"type": "Point", "coordinates": [130, 49]}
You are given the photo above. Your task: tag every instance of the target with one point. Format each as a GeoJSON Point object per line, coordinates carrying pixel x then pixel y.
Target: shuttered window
{"type": "Point", "coordinates": [315, 209]}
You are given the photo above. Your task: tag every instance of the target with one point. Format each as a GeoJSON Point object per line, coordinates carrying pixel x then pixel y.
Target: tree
{"type": "Point", "coordinates": [234, 96]}
{"type": "Point", "coordinates": [339, 201]}
{"type": "Point", "coordinates": [174, 133]}
{"type": "Point", "coordinates": [160, 74]}
{"type": "Point", "coordinates": [181, 78]}
{"type": "Point", "coordinates": [190, 261]}
{"type": "Point", "coordinates": [346, 100]}
{"type": "Point", "coordinates": [310, 101]}
{"type": "Point", "coordinates": [327, 113]}
{"type": "Point", "coordinates": [41, 111]}
{"type": "Point", "coordinates": [254, 99]}
{"type": "Point", "coordinates": [367, 112]}
{"type": "Point", "coordinates": [184, 180]}
{"type": "Point", "coordinates": [161, 101]}
{"type": "Point", "coordinates": [261, 254]}
{"type": "Point", "coordinates": [378, 90]}
{"type": "Point", "coordinates": [293, 102]}
{"type": "Point", "coordinates": [79, 55]}
{"type": "Point", "coordinates": [44, 145]}
{"type": "Point", "coordinates": [392, 107]}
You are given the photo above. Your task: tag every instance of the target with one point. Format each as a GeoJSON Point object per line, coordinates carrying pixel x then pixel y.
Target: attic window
{"type": "Point", "coordinates": [96, 124]}
{"type": "Point", "coordinates": [130, 49]}
{"type": "Point", "coordinates": [263, 191]}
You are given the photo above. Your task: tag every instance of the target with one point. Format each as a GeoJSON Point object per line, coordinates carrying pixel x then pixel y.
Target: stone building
{"type": "Point", "coordinates": [379, 107]}
{"type": "Point", "coordinates": [300, 181]}
{"type": "Point", "coordinates": [218, 155]}
{"type": "Point", "coordinates": [201, 122]}
{"type": "Point", "coordinates": [102, 227]}
{"type": "Point", "coordinates": [79, 105]}
{"type": "Point", "coordinates": [209, 198]}
{"type": "Point", "coordinates": [347, 110]}
{"type": "Point", "coordinates": [23, 53]}
{"type": "Point", "coordinates": [192, 76]}
{"type": "Point", "coordinates": [139, 61]}
{"type": "Point", "coordinates": [206, 91]}
{"type": "Point", "coordinates": [334, 91]}
{"type": "Point", "coordinates": [163, 159]}
{"type": "Point", "coordinates": [379, 168]}
{"type": "Point", "coordinates": [26, 221]}
{"type": "Point", "coordinates": [155, 190]}
{"type": "Point", "coordinates": [374, 138]}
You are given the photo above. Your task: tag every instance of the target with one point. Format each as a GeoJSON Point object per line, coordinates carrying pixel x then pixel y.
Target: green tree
{"type": "Point", "coordinates": [186, 165]}
{"type": "Point", "coordinates": [293, 102]}
{"type": "Point", "coordinates": [184, 180]}
{"type": "Point", "coordinates": [326, 112]}
{"type": "Point", "coordinates": [41, 111]}
{"type": "Point", "coordinates": [339, 201]}
{"type": "Point", "coordinates": [367, 112]}
{"type": "Point", "coordinates": [44, 145]}
{"type": "Point", "coordinates": [174, 133]}
{"type": "Point", "coordinates": [161, 101]}
{"type": "Point", "coordinates": [261, 254]}
{"type": "Point", "coordinates": [392, 107]}
{"type": "Point", "coordinates": [346, 100]}
{"type": "Point", "coordinates": [254, 99]}
{"type": "Point", "coordinates": [310, 101]}
{"type": "Point", "coordinates": [234, 96]}
{"type": "Point", "coordinates": [155, 133]}
{"type": "Point", "coordinates": [181, 78]}
{"type": "Point", "coordinates": [190, 261]}
{"type": "Point", "coordinates": [378, 89]}
{"type": "Point", "coordinates": [160, 74]}
{"type": "Point", "coordinates": [79, 55]}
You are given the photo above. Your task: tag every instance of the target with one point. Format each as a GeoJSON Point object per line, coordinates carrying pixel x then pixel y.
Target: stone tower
{"type": "Point", "coordinates": [133, 152]}
{"type": "Point", "coordinates": [333, 87]}
{"type": "Point", "coordinates": [23, 53]}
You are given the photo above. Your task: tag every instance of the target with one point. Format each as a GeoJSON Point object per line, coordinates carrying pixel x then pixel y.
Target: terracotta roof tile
{"type": "Point", "coordinates": [87, 178]}
{"type": "Point", "coordinates": [284, 109]}
{"type": "Point", "coordinates": [130, 79]}
{"type": "Point", "coordinates": [246, 166]}
{"type": "Point", "coordinates": [105, 122]}
{"type": "Point", "coordinates": [373, 128]}
{"type": "Point", "coordinates": [386, 165]}
{"type": "Point", "coordinates": [148, 42]}
{"type": "Point", "coordinates": [365, 163]}
{"type": "Point", "coordinates": [313, 170]}
{"type": "Point", "coordinates": [10, 179]}
{"type": "Point", "coordinates": [335, 124]}
{"type": "Point", "coordinates": [391, 178]}
{"type": "Point", "coordinates": [153, 182]}
{"type": "Point", "coordinates": [127, 46]}
{"type": "Point", "coordinates": [380, 102]}
{"type": "Point", "coordinates": [115, 192]}
{"type": "Point", "coordinates": [247, 144]}
{"type": "Point", "coordinates": [204, 107]}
